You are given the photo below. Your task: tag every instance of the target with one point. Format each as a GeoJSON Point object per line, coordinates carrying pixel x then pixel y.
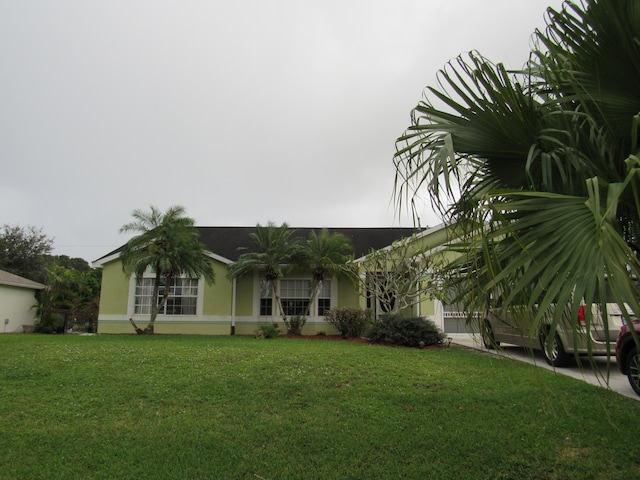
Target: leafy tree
{"type": "Point", "coordinates": [538, 169]}
{"type": "Point", "coordinates": [397, 277]}
{"type": "Point", "coordinates": [24, 251]}
{"type": "Point", "coordinates": [169, 246]}
{"type": "Point", "coordinates": [72, 286]}
{"type": "Point", "coordinates": [78, 264]}
{"type": "Point", "coordinates": [62, 294]}
{"type": "Point", "coordinates": [70, 295]}
{"type": "Point", "coordinates": [274, 250]}
{"type": "Point", "coordinates": [325, 254]}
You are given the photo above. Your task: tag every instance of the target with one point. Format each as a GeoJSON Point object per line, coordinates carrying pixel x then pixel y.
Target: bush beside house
{"type": "Point", "coordinates": [406, 331]}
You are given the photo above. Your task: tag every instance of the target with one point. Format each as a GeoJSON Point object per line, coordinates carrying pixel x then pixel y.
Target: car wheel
{"type": "Point", "coordinates": [554, 352]}
{"type": "Point", "coordinates": [487, 336]}
{"type": "Point", "coordinates": [633, 370]}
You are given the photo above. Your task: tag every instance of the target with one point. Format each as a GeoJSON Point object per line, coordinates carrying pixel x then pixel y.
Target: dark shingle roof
{"type": "Point", "coordinates": [226, 241]}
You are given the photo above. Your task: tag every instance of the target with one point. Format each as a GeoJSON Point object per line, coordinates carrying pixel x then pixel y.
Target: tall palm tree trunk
{"type": "Point", "coordinates": [274, 286]}
{"type": "Point", "coordinates": [315, 291]}
{"type": "Point", "coordinates": [168, 285]}
{"type": "Point", "coordinates": [155, 308]}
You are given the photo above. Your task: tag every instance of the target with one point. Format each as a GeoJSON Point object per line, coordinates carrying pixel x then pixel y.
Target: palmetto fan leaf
{"type": "Point", "coordinates": [591, 52]}
{"type": "Point", "coordinates": [537, 168]}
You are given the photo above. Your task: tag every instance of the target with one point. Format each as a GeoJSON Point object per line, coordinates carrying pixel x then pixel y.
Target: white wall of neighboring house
{"type": "Point", "coordinates": [16, 308]}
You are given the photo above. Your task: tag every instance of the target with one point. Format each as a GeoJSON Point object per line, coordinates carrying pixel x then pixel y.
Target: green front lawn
{"type": "Point", "coordinates": [127, 407]}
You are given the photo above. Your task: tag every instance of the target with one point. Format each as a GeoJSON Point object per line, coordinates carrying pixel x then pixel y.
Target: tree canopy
{"type": "Point", "coordinates": [324, 254]}
{"type": "Point", "coordinates": [71, 296]}
{"type": "Point", "coordinates": [274, 249]}
{"type": "Point", "coordinates": [167, 245]}
{"type": "Point", "coordinates": [72, 287]}
{"type": "Point", "coordinates": [25, 251]}
{"type": "Point", "coordinates": [398, 277]}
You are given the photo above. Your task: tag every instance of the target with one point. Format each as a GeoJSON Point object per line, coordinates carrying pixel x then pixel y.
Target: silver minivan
{"type": "Point", "coordinates": [502, 326]}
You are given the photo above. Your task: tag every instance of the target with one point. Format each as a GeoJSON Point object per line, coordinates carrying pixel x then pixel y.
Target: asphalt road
{"type": "Point", "coordinates": [595, 374]}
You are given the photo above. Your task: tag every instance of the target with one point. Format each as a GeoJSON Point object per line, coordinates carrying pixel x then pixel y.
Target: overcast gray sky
{"type": "Point", "coordinates": [243, 112]}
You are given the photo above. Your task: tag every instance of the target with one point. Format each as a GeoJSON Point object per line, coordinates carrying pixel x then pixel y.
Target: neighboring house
{"type": "Point", "coordinates": [239, 306]}
{"type": "Point", "coordinates": [17, 298]}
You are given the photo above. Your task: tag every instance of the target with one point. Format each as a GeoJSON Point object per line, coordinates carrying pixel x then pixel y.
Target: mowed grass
{"type": "Point", "coordinates": [127, 407]}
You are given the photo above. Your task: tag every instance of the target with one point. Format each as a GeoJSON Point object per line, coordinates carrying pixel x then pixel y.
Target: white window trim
{"type": "Point", "coordinates": [160, 317]}
{"type": "Point", "coordinates": [313, 312]}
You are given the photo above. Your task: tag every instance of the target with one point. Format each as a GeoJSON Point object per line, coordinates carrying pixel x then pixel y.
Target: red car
{"type": "Point", "coordinates": [627, 354]}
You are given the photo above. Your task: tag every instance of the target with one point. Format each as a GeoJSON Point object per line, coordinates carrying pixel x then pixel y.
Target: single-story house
{"type": "Point", "coordinates": [17, 299]}
{"type": "Point", "coordinates": [241, 305]}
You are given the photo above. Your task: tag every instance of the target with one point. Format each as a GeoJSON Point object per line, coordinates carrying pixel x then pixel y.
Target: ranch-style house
{"type": "Point", "coordinates": [239, 306]}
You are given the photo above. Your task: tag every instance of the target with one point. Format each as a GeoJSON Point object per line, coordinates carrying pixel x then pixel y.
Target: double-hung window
{"type": "Point", "coordinates": [266, 298]}
{"type": "Point", "coordinates": [295, 296]}
{"type": "Point", "coordinates": [324, 298]}
{"type": "Point", "coordinates": [182, 300]}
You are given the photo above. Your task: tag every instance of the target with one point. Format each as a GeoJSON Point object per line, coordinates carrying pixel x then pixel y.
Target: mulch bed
{"type": "Point", "coordinates": [326, 337]}
{"type": "Point", "coordinates": [355, 340]}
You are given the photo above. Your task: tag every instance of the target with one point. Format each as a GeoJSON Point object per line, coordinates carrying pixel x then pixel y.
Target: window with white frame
{"type": "Point", "coordinates": [266, 298]}
{"type": "Point", "coordinates": [324, 298]}
{"type": "Point", "coordinates": [183, 296]}
{"type": "Point", "coordinates": [295, 296]}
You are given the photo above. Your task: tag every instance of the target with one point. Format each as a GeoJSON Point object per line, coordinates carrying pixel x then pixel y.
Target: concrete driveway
{"type": "Point", "coordinates": [595, 375]}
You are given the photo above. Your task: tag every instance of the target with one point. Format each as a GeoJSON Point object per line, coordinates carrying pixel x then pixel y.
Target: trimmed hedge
{"type": "Point", "coordinates": [406, 331]}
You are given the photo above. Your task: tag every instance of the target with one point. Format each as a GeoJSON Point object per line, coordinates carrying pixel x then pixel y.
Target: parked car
{"type": "Point", "coordinates": [511, 327]}
{"type": "Point", "coordinates": [627, 354]}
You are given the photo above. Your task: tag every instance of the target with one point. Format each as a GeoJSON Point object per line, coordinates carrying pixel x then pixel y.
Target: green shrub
{"type": "Point", "coordinates": [409, 331]}
{"type": "Point", "coordinates": [270, 330]}
{"type": "Point", "coordinates": [295, 323]}
{"type": "Point", "coordinates": [350, 322]}
{"type": "Point", "coordinates": [50, 322]}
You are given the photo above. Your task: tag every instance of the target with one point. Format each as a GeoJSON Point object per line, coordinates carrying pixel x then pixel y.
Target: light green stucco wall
{"type": "Point", "coordinates": [162, 327]}
{"type": "Point", "coordinates": [216, 307]}
{"type": "Point", "coordinates": [114, 294]}
{"type": "Point", "coordinates": [348, 294]}
{"type": "Point", "coordinates": [244, 296]}
{"type": "Point", "coordinates": [217, 296]}
{"type": "Point", "coordinates": [432, 240]}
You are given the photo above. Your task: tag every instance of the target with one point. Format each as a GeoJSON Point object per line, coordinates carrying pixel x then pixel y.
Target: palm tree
{"type": "Point", "coordinates": [274, 250]}
{"type": "Point", "coordinates": [538, 168]}
{"type": "Point", "coordinates": [324, 254]}
{"type": "Point", "coordinates": [168, 245]}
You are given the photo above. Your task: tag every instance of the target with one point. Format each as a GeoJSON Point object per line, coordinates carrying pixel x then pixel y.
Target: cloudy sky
{"type": "Point", "coordinates": [243, 112]}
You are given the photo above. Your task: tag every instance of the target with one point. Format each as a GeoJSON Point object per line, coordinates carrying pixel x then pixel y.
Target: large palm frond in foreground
{"type": "Point", "coordinates": [538, 169]}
